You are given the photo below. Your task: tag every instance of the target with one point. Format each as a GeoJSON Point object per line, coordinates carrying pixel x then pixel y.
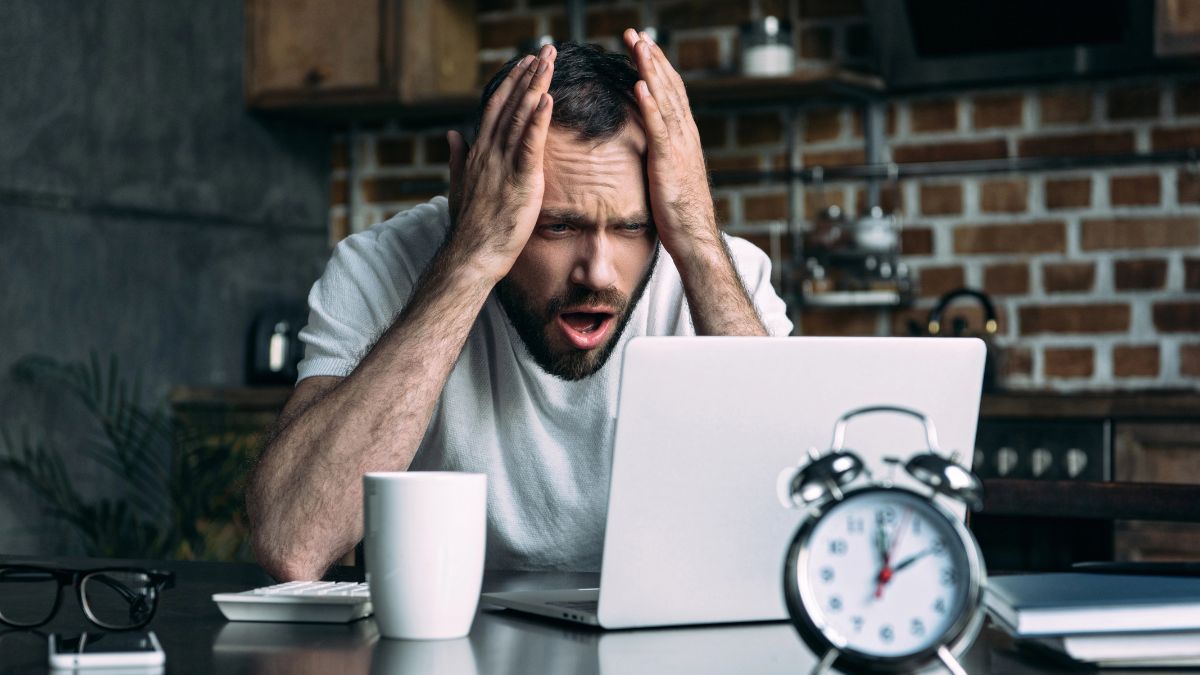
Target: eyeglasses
{"type": "Point", "coordinates": [114, 598]}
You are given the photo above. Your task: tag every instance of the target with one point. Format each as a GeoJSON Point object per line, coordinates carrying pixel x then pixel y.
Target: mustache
{"type": "Point", "coordinates": [580, 295]}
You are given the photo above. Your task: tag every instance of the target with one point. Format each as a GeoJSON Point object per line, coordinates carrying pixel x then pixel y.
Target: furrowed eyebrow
{"type": "Point", "coordinates": [576, 219]}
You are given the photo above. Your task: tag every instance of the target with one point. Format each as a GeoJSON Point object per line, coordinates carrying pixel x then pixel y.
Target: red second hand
{"type": "Point", "coordinates": [885, 574]}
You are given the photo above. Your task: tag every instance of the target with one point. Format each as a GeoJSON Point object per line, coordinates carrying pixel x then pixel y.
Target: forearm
{"type": "Point", "coordinates": [715, 293]}
{"type": "Point", "coordinates": [308, 487]}
{"type": "Point", "coordinates": [306, 502]}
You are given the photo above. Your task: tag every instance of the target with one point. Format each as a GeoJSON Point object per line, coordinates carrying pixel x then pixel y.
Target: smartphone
{"type": "Point", "coordinates": [106, 650]}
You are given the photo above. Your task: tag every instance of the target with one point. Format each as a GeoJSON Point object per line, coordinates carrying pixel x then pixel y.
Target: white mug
{"type": "Point", "coordinates": [424, 538]}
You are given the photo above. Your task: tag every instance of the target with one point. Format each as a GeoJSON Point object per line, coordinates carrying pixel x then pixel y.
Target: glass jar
{"type": "Point", "coordinates": [767, 48]}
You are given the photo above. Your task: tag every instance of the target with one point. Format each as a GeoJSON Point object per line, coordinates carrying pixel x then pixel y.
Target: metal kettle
{"type": "Point", "coordinates": [275, 348]}
{"type": "Point", "coordinates": [935, 327]}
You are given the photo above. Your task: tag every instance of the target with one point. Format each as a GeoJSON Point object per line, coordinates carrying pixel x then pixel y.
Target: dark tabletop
{"type": "Point", "coordinates": [198, 639]}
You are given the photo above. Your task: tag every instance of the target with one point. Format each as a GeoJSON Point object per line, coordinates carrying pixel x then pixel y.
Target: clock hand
{"type": "Point", "coordinates": [880, 540]}
{"type": "Point", "coordinates": [881, 547]}
{"type": "Point", "coordinates": [885, 574]}
{"type": "Point", "coordinates": [911, 559]}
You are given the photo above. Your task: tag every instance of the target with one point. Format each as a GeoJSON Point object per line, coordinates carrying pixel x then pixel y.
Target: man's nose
{"type": "Point", "coordinates": [595, 266]}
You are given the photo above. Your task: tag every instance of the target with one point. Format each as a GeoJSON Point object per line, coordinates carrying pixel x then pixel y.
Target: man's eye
{"type": "Point", "coordinates": [557, 228]}
{"type": "Point", "coordinates": [634, 227]}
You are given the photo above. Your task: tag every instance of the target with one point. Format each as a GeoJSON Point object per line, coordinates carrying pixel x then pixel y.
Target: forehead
{"type": "Point", "coordinates": [597, 179]}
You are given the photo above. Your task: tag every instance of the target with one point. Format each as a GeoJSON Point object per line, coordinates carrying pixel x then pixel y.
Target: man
{"type": "Point", "coordinates": [476, 335]}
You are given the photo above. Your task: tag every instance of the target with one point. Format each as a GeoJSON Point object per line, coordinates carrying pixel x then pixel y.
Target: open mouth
{"type": "Point", "coordinates": [585, 330]}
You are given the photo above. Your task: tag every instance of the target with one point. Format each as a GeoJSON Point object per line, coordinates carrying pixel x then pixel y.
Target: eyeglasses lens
{"type": "Point", "coordinates": [119, 599]}
{"type": "Point", "coordinates": [27, 596]}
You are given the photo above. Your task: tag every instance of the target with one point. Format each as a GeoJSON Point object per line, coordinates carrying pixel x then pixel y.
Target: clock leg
{"type": "Point", "coordinates": [952, 663]}
{"type": "Point", "coordinates": [825, 662]}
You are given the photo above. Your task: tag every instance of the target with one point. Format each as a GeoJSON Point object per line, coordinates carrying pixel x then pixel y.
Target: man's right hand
{"type": "Point", "coordinates": [496, 187]}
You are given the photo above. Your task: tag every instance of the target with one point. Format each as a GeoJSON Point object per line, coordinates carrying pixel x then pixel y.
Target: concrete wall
{"type": "Point", "coordinates": [143, 211]}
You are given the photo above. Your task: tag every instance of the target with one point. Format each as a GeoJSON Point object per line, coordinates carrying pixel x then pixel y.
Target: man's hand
{"type": "Point", "coordinates": [680, 199]}
{"type": "Point", "coordinates": [306, 501]}
{"type": "Point", "coordinates": [678, 182]}
{"type": "Point", "coordinates": [496, 187]}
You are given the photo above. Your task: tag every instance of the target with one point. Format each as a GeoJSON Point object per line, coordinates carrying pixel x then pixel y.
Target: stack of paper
{"type": "Point", "coordinates": [1105, 619]}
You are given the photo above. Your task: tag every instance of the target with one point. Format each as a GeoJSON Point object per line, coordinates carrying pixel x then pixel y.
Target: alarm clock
{"type": "Point", "coordinates": [880, 577]}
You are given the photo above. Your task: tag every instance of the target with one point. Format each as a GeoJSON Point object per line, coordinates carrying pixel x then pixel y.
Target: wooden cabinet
{"type": "Point", "coordinates": [1177, 28]}
{"type": "Point", "coordinates": [1157, 452]}
{"type": "Point", "coordinates": [342, 53]}
{"type": "Point", "coordinates": [1143, 505]}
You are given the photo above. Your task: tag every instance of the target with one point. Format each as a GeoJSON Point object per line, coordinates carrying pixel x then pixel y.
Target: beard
{"type": "Point", "coordinates": [534, 324]}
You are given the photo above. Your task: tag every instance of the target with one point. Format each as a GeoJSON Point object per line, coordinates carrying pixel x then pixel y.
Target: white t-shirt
{"type": "Point", "coordinates": [544, 443]}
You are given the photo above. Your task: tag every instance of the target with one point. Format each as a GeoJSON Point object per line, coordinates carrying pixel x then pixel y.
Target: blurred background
{"type": "Point", "coordinates": [174, 175]}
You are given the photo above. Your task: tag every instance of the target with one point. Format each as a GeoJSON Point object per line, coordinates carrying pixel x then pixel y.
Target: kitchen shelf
{"type": "Point", "coordinates": [1131, 405]}
{"type": "Point", "coordinates": [1108, 500]}
{"type": "Point", "coordinates": [857, 299]}
{"type": "Point", "coordinates": [803, 86]}
{"type": "Point", "coordinates": [734, 90]}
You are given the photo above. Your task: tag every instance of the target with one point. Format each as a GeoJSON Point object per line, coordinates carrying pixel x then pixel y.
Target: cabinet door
{"type": "Point", "coordinates": [1157, 452]}
{"type": "Point", "coordinates": [315, 48]}
{"type": "Point", "coordinates": [1177, 28]}
{"type": "Point", "coordinates": [438, 49]}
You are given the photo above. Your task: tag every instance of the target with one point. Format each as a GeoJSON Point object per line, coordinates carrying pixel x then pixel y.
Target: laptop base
{"type": "Point", "coordinates": [577, 605]}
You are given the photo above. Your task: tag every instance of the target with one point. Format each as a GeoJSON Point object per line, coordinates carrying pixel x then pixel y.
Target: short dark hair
{"type": "Point", "coordinates": [592, 89]}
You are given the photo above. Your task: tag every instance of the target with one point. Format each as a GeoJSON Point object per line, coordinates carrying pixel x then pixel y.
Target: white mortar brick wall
{"type": "Point", "coordinates": [779, 233]}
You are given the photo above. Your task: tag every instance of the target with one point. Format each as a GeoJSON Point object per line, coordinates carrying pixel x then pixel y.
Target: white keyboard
{"type": "Point", "coordinates": [301, 601]}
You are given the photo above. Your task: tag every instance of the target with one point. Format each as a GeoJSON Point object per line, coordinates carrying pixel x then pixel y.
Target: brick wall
{"type": "Point", "coordinates": [1096, 273]}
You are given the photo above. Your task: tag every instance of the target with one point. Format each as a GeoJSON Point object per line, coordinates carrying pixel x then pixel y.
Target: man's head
{"type": "Point", "coordinates": [575, 284]}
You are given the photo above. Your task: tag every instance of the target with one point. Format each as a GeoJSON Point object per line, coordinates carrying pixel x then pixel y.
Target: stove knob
{"type": "Point", "coordinates": [1077, 461]}
{"type": "Point", "coordinates": [1006, 460]}
{"type": "Point", "coordinates": [1039, 461]}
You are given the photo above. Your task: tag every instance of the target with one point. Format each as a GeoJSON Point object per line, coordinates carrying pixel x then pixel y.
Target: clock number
{"type": "Point", "coordinates": [886, 634]}
{"type": "Point", "coordinates": [837, 547]}
{"type": "Point", "coordinates": [949, 577]}
{"type": "Point", "coordinates": [916, 526]}
{"type": "Point", "coordinates": [917, 628]}
{"type": "Point", "coordinates": [854, 524]}
{"type": "Point", "coordinates": [827, 574]}
{"type": "Point", "coordinates": [835, 604]}
{"type": "Point", "coordinates": [889, 515]}
{"type": "Point", "coordinates": [939, 546]}
{"type": "Point", "coordinates": [858, 623]}
{"type": "Point", "coordinates": [940, 606]}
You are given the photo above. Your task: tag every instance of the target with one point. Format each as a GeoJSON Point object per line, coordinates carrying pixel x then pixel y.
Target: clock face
{"type": "Point", "coordinates": [885, 574]}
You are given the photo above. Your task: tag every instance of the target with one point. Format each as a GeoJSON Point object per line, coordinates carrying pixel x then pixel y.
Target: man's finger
{"type": "Point", "coordinates": [517, 96]}
{"type": "Point", "coordinates": [656, 129]}
{"type": "Point", "coordinates": [663, 63]}
{"type": "Point", "coordinates": [533, 141]}
{"type": "Point", "coordinates": [670, 78]}
{"type": "Point", "coordinates": [631, 37]}
{"type": "Point", "coordinates": [499, 99]}
{"type": "Point", "coordinates": [649, 67]}
{"type": "Point", "coordinates": [538, 85]}
{"type": "Point", "coordinates": [650, 75]}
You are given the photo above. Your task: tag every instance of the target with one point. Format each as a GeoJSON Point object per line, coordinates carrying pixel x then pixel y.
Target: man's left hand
{"type": "Point", "coordinates": [678, 181]}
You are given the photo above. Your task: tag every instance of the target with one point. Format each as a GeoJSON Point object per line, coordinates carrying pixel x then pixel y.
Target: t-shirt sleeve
{"type": "Point", "coordinates": [366, 284]}
{"type": "Point", "coordinates": [754, 266]}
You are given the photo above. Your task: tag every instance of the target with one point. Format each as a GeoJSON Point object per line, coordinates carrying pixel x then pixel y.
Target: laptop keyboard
{"type": "Point", "coordinates": [581, 605]}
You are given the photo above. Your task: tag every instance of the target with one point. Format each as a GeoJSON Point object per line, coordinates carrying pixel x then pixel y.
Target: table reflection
{"type": "Point", "coordinates": [515, 644]}
{"type": "Point", "coordinates": [507, 643]}
{"type": "Point", "coordinates": [424, 656]}
{"type": "Point", "coordinates": [301, 648]}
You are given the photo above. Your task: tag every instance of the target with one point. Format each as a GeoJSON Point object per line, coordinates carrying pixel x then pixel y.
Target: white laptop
{"type": "Point", "coordinates": [696, 533]}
